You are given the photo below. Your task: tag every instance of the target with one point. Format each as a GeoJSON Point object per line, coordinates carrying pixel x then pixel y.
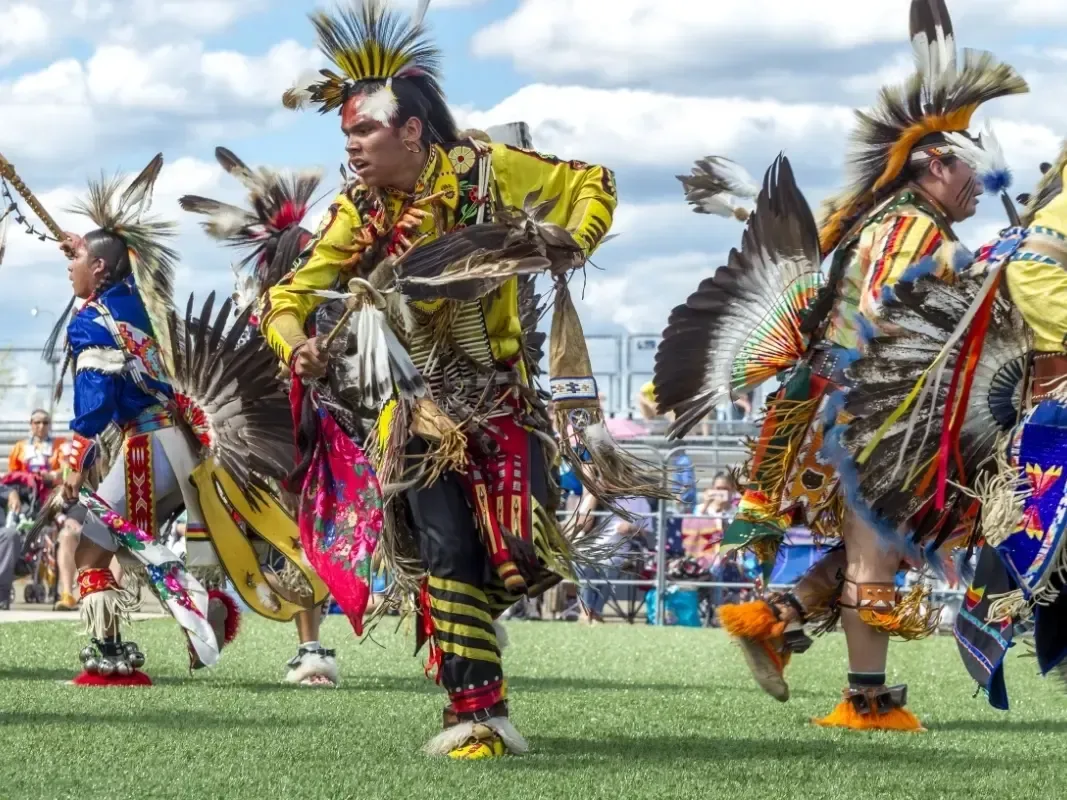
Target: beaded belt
{"type": "Point", "coordinates": [151, 419]}
{"type": "Point", "coordinates": [829, 363]}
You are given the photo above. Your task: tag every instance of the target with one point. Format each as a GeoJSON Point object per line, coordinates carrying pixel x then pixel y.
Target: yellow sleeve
{"type": "Point", "coordinates": [286, 312]}
{"type": "Point", "coordinates": [586, 192]}
{"type": "Point", "coordinates": [1031, 284]}
{"type": "Point", "coordinates": [900, 241]}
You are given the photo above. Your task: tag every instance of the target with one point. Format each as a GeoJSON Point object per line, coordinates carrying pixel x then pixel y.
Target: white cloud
{"type": "Point", "coordinates": [653, 129]}
{"type": "Point", "coordinates": [23, 28]}
{"type": "Point", "coordinates": [635, 40]}
{"type": "Point", "coordinates": [43, 26]}
{"type": "Point", "coordinates": [71, 110]}
{"type": "Point", "coordinates": [638, 295]}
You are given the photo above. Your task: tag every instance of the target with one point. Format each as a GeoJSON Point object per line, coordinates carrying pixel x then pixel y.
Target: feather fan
{"type": "Point", "coordinates": [378, 361]}
{"type": "Point", "coordinates": [471, 262]}
{"type": "Point", "coordinates": [742, 325]}
{"type": "Point", "coordinates": [923, 316]}
{"type": "Point", "coordinates": [229, 396]}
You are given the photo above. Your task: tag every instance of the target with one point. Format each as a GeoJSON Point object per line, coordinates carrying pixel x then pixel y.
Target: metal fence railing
{"type": "Point", "coordinates": [662, 458]}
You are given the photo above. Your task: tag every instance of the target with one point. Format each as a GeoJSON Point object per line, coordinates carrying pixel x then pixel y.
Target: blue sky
{"type": "Point", "coordinates": [643, 86]}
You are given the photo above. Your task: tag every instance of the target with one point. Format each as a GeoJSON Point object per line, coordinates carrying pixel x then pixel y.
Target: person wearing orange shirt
{"type": "Point", "coordinates": [39, 455]}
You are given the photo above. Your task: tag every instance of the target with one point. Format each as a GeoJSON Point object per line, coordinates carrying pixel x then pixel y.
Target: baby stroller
{"type": "Point", "coordinates": [37, 560]}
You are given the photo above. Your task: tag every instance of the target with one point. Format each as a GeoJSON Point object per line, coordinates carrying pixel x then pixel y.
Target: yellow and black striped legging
{"type": "Point", "coordinates": [465, 593]}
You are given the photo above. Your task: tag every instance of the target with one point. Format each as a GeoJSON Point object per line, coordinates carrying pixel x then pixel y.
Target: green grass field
{"type": "Point", "coordinates": [610, 712]}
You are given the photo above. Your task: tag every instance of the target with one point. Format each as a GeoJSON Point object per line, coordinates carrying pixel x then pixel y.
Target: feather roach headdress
{"type": "Point", "coordinates": [941, 97]}
{"type": "Point", "coordinates": [151, 259]}
{"type": "Point", "coordinates": [277, 203]}
{"type": "Point", "coordinates": [375, 50]}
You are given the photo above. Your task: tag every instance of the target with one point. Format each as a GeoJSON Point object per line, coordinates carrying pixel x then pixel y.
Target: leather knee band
{"type": "Point", "coordinates": [880, 598]}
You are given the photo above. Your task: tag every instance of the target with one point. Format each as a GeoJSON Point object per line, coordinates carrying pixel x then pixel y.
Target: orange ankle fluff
{"type": "Point", "coordinates": [752, 620]}
{"type": "Point", "coordinates": [845, 715]}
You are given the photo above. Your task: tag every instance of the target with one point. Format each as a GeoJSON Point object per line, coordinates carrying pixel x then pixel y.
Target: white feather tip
{"type": "Point", "coordinates": [381, 105]}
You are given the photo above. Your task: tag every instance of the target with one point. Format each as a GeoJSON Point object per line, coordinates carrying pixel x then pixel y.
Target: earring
{"type": "Point", "coordinates": [413, 147]}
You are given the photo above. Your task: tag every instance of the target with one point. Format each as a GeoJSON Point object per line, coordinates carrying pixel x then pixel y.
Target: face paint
{"type": "Point", "coordinates": [350, 113]}
{"type": "Point", "coordinates": [966, 192]}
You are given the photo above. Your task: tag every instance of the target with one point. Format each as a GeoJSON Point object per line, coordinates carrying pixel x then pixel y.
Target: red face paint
{"type": "Point", "coordinates": [350, 114]}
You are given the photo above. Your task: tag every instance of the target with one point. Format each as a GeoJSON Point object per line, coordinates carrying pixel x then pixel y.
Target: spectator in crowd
{"type": "Point", "coordinates": [739, 410]}
{"type": "Point", "coordinates": [683, 486]}
{"type": "Point", "coordinates": [618, 538]}
{"type": "Point", "coordinates": [39, 455]}
{"type": "Point", "coordinates": [646, 402]}
{"type": "Point", "coordinates": [728, 570]}
{"type": "Point", "coordinates": [720, 498]}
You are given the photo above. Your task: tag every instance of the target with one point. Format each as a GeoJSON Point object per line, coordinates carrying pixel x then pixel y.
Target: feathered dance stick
{"type": "Point", "coordinates": [7, 172]}
{"type": "Point", "coordinates": [719, 186]}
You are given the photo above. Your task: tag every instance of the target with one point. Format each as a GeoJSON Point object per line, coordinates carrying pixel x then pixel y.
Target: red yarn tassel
{"type": "Point", "coordinates": [435, 657]}
{"type": "Point", "coordinates": [955, 405]}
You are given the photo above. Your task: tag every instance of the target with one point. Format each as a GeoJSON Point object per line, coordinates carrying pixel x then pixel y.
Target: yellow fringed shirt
{"type": "Point", "coordinates": [586, 200]}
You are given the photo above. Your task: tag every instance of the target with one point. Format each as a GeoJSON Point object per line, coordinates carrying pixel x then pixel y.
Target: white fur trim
{"type": "Point", "coordinates": [513, 740]}
{"type": "Point", "coordinates": [449, 739]}
{"type": "Point", "coordinates": [502, 638]}
{"type": "Point", "coordinates": [267, 597]}
{"type": "Point", "coordinates": [313, 665]}
{"type": "Point", "coordinates": [108, 360]}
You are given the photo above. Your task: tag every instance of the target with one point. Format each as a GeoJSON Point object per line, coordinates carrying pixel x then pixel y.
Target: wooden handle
{"type": "Point", "coordinates": [7, 169]}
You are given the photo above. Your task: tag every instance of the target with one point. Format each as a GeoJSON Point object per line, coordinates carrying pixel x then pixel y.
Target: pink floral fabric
{"type": "Point", "coordinates": [341, 518]}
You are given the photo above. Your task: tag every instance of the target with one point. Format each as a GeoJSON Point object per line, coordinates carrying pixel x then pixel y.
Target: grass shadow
{"type": "Point", "coordinates": [669, 751]}
{"type": "Point", "coordinates": [36, 674]}
{"type": "Point", "coordinates": [195, 720]}
{"type": "Point", "coordinates": [1002, 725]}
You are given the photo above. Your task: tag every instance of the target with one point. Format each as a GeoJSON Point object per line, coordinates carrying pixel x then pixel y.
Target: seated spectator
{"type": "Point", "coordinates": [618, 537]}
{"type": "Point", "coordinates": [39, 456]}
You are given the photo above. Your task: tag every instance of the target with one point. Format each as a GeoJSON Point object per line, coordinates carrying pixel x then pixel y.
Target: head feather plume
{"type": "Point", "coordinates": [986, 157]}
{"type": "Point", "coordinates": [366, 42]}
{"type": "Point", "coordinates": [940, 97]}
{"type": "Point", "coordinates": [277, 201]}
{"type": "Point", "coordinates": [123, 216]}
{"type": "Point", "coordinates": [152, 260]}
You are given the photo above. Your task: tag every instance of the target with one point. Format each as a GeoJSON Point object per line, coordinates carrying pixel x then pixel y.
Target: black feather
{"type": "Point", "coordinates": [710, 339]}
